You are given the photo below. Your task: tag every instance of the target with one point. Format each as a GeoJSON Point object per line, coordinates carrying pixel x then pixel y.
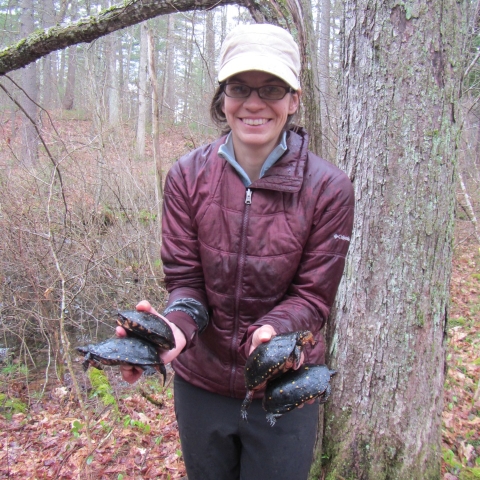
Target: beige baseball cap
{"type": "Point", "coordinates": [262, 47]}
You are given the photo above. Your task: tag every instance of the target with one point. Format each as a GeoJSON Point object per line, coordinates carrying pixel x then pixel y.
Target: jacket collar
{"type": "Point", "coordinates": [286, 175]}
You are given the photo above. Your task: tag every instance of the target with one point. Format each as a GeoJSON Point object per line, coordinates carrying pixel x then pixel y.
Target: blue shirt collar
{"type": "Point", "coordinates": [226, 152]}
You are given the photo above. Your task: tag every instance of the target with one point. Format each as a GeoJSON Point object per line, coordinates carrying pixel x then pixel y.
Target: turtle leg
{"type": "Point", "coordinates": [163, 371]}
{"type": "Point", "coordinates": [297, 355]}
{"type": "Point", "coordinates": [246, 403]}
{"type": "Point", "coordinates": [148, 370]}
{"type": "Point", "coordinates": [86, 363]}
{"type": "Point", "coordinates": [272, 418]}
{"type": "Point", "coordinates": [324, 396]}
{"type": "Point", "coordinates": [89, 361]}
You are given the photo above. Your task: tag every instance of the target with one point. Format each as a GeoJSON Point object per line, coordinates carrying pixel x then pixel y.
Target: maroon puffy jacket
{"type": "Point", "coordinates": [277, 260]}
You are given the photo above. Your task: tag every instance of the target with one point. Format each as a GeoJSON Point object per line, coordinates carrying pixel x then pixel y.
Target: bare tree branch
{"type": "Point", "coordinates": [43, 42]}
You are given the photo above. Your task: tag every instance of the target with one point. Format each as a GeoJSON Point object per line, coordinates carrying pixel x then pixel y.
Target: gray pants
{"type": "Point", "coordinates": [218, 445]}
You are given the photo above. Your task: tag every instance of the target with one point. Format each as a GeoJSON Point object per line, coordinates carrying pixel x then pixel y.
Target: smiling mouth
{"type": "Point", "coordinates": [254, 121]}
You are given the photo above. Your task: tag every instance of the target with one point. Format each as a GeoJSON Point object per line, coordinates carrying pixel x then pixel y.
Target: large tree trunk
{"type": "Point", "coordinates": [398, 144]}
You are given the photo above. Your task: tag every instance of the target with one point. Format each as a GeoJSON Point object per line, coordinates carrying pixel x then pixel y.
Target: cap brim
{"type": "Point", "coordinates": [246, 63]}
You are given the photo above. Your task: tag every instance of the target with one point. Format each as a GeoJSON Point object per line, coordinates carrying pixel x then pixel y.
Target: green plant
{"type": "Point", "coordinates": [130, 422]}
{"type": "Point", "coordinates": [101, 387]}
{"type": "Point", "coordinates": [144, 216]}
{"type": "Point", "coordinates": [11, 369]}
{"type": "Point", "coordinates": [76, 428]}
{"type": "Point", "coordinates": [10, 406]}
{"type": "Point", "coordinates": [457, 322]}
{"type": "Point", "coordinates": [469, 474]}
{"type": "Point", "coordinates": [449, 459]}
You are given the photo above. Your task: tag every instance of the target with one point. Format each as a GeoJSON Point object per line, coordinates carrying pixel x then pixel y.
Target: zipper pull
{"type": "Point", "coordinates": [248, 197]}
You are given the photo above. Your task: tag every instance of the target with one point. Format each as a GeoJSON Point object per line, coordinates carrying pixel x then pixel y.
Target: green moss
{"type": "Point", "coordinates": [11, 405]}
{"type": "Point", "coordinates": [101, 387]}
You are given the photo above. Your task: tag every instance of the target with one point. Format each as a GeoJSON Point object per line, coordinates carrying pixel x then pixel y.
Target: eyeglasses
{"type": "Point", "coordinates": [267, 92]}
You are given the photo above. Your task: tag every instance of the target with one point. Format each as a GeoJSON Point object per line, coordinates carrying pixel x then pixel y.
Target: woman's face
{"type": "Point", "coordinates": [256, 122]}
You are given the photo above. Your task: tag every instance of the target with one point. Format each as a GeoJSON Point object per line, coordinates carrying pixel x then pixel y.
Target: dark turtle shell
{"type": "Point", "coordinates": [271, 359]}
{"type": "Point", "coordinates": [295, 388]}
{"type": "Point", "coordinates": [148, 326]}
{"type": "Point", "coordinates": [123, 351]}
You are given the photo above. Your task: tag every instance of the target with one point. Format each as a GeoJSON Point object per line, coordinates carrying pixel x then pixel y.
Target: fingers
{"type": "Point", "coordinates": [145, 306]}
{"type": "Point", "coordinates": [299, 364]}
{"type": "Point", "coordinates": [120, 332]}
{"type": "Point", "coordinates": [180, 341]}
{"type": "Point", "coordinates": [265, 335]}
{"type": "Point", "coordinates": [130, 373]}
{"type": "Point", "coordinates": [310, 402]}
{"type": "Point", "coordinates": [261, 335]}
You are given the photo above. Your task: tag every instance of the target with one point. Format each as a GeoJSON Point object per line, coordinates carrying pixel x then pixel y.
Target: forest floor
{"type": "Point", "coordinates": [44, 434]}
{"type": "Point", "coordinates": [461, 415]}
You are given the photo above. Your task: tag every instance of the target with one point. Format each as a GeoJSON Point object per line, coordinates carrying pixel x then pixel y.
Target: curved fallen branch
{"type": "Point", "coordinates": [43, 42]}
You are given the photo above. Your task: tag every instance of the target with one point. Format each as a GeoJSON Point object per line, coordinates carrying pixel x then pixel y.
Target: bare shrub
{"type": "Point", "coordinates": [79, 236]}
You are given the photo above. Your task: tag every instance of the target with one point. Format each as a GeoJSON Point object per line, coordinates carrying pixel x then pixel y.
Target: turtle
{"type": "Point", "coordinates": [271, 359]}
{"type": "Point", "coordinates": [124, 351]}
{"type": "Point", "coordinates": [148, 326]}
{"type": "Point", "coordinates": [296, 387]}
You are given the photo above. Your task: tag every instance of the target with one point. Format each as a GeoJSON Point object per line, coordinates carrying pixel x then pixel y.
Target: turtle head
{"type": "Point", "coordinates": [84, 350]}
{"type": "Point", "coordinates": [304, 337]}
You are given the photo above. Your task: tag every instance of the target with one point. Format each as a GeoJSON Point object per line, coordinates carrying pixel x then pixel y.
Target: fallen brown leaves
{"type": "Point", "coordinates": [50, 441]}
{"type": "Point", "coordinates": [461, 415]}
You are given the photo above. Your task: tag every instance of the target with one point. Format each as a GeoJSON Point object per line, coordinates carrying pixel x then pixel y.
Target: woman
{"type": "Point", "coordinates": [255, 233]}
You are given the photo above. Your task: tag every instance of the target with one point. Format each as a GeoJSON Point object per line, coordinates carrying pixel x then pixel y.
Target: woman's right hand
{"type": "Point", "coordinates": [131, 373]}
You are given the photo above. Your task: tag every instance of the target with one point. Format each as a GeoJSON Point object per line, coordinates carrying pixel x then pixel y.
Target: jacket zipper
{"type": "Point", "coordinates": [238, 287]}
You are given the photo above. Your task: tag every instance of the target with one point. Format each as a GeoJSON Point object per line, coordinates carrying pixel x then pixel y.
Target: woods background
{"type": "Point", "coordinates": [88, 133]}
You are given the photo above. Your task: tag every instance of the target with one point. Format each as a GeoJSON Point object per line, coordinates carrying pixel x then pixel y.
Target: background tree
{"type": "Point", "coordinates": [29, 151]}
{"type": "Point", "coordinates": [142, 90]}
{"type": "Point", "coordinates": [398, 139]}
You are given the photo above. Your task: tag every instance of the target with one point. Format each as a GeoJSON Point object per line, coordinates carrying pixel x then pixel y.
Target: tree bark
{"type": "Point", "coordinates": [88, 29]}
{"type": "Point", "coordinates": [157, 159]}
{"type": "Point", "coordinates": [168, 88]}
{"type": "Point", "coordinates": [113, 96]}
{"type": "Point", "coordinates": [324, 74]}
{"type": "Point", "coordinates": [398, 133]}
{"type": "Point", "coordinates": [29, 153]}
{"type": "Point", "coordinates": [50, 97]}
{"type": "Point", "coordinates": [142, 91]}
{"type": "Point", "coordinates": [69, 97]}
